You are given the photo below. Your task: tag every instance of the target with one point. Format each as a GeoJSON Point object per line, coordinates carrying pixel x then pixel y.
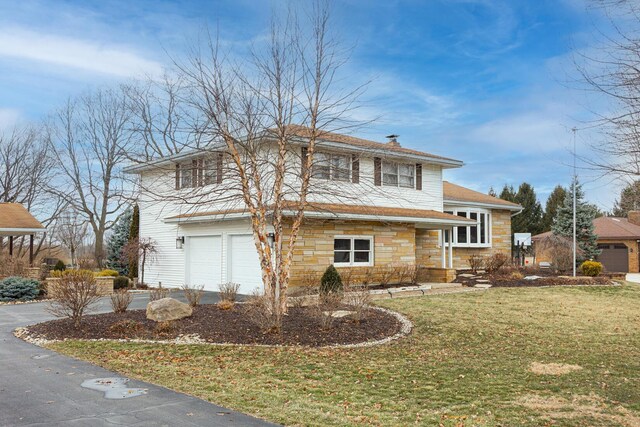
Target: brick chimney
{"type": "Point", "coordinates": [634, 217]}
{"type": "Point", "coordinates": [393, 140]}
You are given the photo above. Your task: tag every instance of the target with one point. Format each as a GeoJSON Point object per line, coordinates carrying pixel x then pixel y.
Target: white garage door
{"type": "Point", "coordinates": [205, 262]}
{"type": "Point", "coordinates": [243, 264]}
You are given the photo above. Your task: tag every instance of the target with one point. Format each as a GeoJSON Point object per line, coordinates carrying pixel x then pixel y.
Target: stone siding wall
{"type": "Point", "coordinates": [429, 253]}
{"type": "Point", "coordinates": [393, 244]}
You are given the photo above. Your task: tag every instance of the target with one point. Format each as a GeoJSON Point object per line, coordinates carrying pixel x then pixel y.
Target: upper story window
{"type": "Point", "coordinates": [398, 174]}
{"type": "Point", "coordinates": [478, 235]}
{"type": "Point", "coordinates": [199, 172]}
{"type": "Point", "coordinates": [331, 166]}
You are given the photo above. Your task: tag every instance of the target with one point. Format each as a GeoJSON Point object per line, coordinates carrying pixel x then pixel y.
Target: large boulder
{"type": "Point", "coordinates": [167, 309]}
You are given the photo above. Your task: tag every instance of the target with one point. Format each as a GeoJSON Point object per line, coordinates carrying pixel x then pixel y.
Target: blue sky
{"type": "Point", "coordinates": [485, 81]}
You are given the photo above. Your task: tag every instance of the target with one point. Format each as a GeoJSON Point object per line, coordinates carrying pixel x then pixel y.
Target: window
{"type": "Point", "coordinates": [197, 173]}
{"type": "Point", "coordinates": [335, 167]}
{"type": "Point", "coordinates": [398, 175]}
{"type": "Point", "coordinates": [186, 175]}
{"type": "Point", "coordinates": [353, 251]}
{"type": "Point", "coordinates": [477, 235]}
{"type": "Point", "coordinates": [210, 171]}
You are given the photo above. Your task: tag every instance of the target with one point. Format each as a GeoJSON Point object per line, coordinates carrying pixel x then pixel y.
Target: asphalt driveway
{"type": "Point", "coordinates": [39, 387]}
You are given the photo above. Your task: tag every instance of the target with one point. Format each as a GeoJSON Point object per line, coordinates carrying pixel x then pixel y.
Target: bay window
{"type": "Point", "coordinates": [475, 235]}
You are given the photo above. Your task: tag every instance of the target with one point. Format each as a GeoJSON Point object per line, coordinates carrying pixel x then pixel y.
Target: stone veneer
{"type": "Point", "coordinates": [392, 244]}
{"type": "Point", "coordinates": [429, 253]}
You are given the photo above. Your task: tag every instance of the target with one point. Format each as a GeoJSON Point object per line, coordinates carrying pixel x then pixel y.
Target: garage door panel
{"type": "Point", "coordinates": [243, 263]}
{"type": "Point", "coordinates": [205, 261]}
{"type": "Point", "coordinates": [614, 257]}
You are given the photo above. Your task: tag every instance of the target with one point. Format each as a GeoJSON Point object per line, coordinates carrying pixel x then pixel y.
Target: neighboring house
{"type": "Point", "coordinates": [388, 206]}
{"type": "Point", "coordinates": [17, 223]}
{"type": "Point", "coordinates": [617, 239]}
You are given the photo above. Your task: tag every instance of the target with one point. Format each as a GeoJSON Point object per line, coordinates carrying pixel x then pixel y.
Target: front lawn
{"type": "Point", "coordinates": [467, 362]}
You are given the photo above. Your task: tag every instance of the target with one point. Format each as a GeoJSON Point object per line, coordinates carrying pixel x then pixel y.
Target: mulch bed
{"type": "Point", "coordinates": [507, 279]}
{"type": "Point", "coordinates": [300, 327]}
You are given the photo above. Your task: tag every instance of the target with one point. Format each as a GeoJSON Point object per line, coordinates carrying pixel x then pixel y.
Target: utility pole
{"type": "Point", "coordinates": [574, 200]}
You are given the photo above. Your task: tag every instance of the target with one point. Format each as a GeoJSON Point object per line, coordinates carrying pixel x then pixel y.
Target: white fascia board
{"type": "Point", "coordinates": [206, 218]}
{"type": "Point", "coordinates": [365, 217]}
{"type": "Point", "coordinates": [455, 203]}
{"type": "Point", "coordinates": [176, 158]}
{"type": "Point", "coordinates": [20, 231]}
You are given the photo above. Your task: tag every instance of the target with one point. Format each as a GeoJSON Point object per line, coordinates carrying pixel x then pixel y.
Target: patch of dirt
{"type": "Point", "coordinates": [300, 327]}
{"type": "Point", "coordinates": [579, 406]}
{"type": "Point", "coordinates": [553, 368]}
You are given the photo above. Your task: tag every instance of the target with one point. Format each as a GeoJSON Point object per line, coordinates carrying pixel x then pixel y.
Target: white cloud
{"type": "Point", "coordinates": [70, 52]}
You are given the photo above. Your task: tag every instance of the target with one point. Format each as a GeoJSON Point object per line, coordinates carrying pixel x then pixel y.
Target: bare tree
{"type": "Point", "coordinates": [251, 110]}
{"type": "Point", "coordinates": [144, 249]}
{"type": "Point", "coordinates": [71, 231]}
{"type": "Point", "coordinates": [89, 138]}
{"type": "Point", "coordinates": [26, 167]}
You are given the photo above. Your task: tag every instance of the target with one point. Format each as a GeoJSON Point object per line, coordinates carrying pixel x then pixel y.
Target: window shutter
{"type": "Point", "coordinates": [418, 176]}
{"type": "Point", "coordinates": [219, 168]}
{"type": "Point", "coordinates": [194, 172]}
{"type": "Point", "coordinates": [177, 176]}
{"type": "Point", "coordinates": [355, 169]}
{"type": "Point", "coordinates": [303, 160]}
{"type": "Point", "coordinates": [377, 171]}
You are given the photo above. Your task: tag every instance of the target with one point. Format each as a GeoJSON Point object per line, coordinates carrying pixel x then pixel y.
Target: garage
{"type": "Point", "coordinates": [614, 257]}
{"type": "Point", "coordinates": [243, 266]}
{"type": "Point", "coordinates": [212, 260]}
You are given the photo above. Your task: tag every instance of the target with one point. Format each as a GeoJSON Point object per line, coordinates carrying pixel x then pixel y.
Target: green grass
{"type": "Point", "coordinates": [466, 363]}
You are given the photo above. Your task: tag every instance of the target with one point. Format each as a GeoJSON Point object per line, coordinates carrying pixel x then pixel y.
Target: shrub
{"type": "Point", "coordinates": [62, 273]}
{"type": "Point", "coordinates": [158, 293]}
{"type": "Point", "coordinates": [591, 268]}
{"type": "Point", "coordinates": [120, 300]}
{"type": "Point", "coordinates": [76, 293]}
{"type": "Point", "coordinates": [225, 304]}
{"type": "Point", "coordinates": [228, 291]}
{"type": "Point", "coordinates": [260, 312]}
{"type": "Point", "coordinates": [331, 282]}
{"type": "Point", "coordinates": [165, 329]}
{"type": "Point", "coordinates": [359, 298]}
{"type": "Point", "coordinates": [127, 328]}
{"type": "Point", "coordinates": [107, 273]}
{"type": "Point", "coordinates": [193, 294]}
{"type": "Point", "coordinates": [121, 282]}
{"type": "Point", "coordinates": [60, 266]}
{"type": "Point", "coordinates": [11, 266]}
{"type": "Point", "coordinates": [476, 262]}
{"type": "Point", "coordinates": [19, 289]}
{"type": "Point", "coordinates": [516, 275]}
{"type": "Point", "coordinates": [496, 262]}
{"type": "Point", "coordinates": [323, 310]}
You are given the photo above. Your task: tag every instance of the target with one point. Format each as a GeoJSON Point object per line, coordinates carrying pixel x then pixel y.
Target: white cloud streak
{"type": "Point", "coordinates": [84, 55]}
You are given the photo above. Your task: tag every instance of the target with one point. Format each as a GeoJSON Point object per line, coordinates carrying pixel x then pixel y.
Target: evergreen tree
{"type": "Point", "coordinates": [629, 200]}
{"type": "Point", "coordinates": [555, 200]}
{"type": "Point", "coordinates": [117, 240]}
{"type": "Point", "coordinates": [529, 220]}
{"type": "Point", "coordinates": [134, 233]}
{"type": "Point", "coordinates": [585, 230]}
{"type": "Point", "coordinates": [492, 192]}
{"type": "Point", "coordinates": [508, 193]}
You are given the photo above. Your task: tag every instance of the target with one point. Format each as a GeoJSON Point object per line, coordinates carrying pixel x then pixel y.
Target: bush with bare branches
{"type": "Point", "coordinates": [559, 249]}
{"type": "Point", "coordinates": [120, 300]}
{"type": "Point", "coordinates": [388, 274]}
{"type": "Point", "coordinates": [476, 262]}
{"type": "Point", "coordinates": [158, 293]}
{"type": "Point", "coordinates": [359, 300]}
{"type": "Point", "coordinates": [261, 312]}
{"type": "Point", "coordinates": [193, 294]}
{"type": "Point", "coordinates": [324, 309]}
{"type": "Point", "coordinates": [75, 294]}
{"type": "Point", "coordinates": [11, 266]}
{"type": "Point", "coordinates": [228, 291]}
{"type": "Point", "coordinates": [496, 262]}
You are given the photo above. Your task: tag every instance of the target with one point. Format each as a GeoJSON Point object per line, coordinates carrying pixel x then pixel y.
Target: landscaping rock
{"type": "Point", "coordinates": [466, 275]}
{"type": "Point", "coordinates": [532, 277]}
{"type": "Point", "coordinates": [166, 309]}
{"type": "Point", "coordinates": [482, 286]}
{"type": "Point", "coordinates": [339, 313]}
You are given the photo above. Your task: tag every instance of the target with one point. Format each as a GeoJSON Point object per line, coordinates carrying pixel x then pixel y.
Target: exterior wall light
{"type": "Point", "coordinates": [179, 242]}
{"type": "Point", "coordinates": [271, 238]}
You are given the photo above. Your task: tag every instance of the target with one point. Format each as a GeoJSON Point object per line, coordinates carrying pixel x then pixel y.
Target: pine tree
{"type": "Point", "coordinates": [117, 240]}
{"type": "Point", "coordinates": [508, 193]}
{"type": "Point", "coordinates": [134, 233]}
{"type": "Point", "coordinates": [492, 192]}
{"type": "Point", "coordinates": [528, 221]}
{"type": "Point", "coordinates": [555, 200]}
{"type": "Point", "coordinates": [629, 200]}
{"type": "Point", "coordinates": [586, 237]}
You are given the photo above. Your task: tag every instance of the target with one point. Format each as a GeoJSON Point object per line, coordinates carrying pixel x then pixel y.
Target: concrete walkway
{"type": "Point", "coordinates": [39, 387]}
{"type": "Point", "coordinates": [633, 277]}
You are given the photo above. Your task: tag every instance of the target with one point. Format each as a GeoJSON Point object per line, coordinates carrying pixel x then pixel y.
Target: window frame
{"type": "Point", "coordinates": [186, 170]}
{"type": "Point", "coordinates": [203, 164]}
{"type": "Point", "coordinates": [398, 174]}
{"type": "Point", "coordinates": [352, 251]}
{"type": "Point", "coordinates": [333, 169]}
{"type": "Point", "coordinates": [488, 232]}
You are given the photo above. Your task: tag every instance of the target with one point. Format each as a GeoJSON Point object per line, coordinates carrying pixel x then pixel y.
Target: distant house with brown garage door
{"type": "Point", "coordinates": [617, 239]}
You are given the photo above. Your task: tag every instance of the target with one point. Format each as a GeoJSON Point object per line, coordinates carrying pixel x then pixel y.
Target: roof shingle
{"type": "Point", "coordinates": [453, 192]}
{"type": "Point", "coordinates": [16, 216]}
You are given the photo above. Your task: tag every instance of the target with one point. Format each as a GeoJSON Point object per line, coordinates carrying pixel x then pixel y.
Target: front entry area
{"type": "Point", "coordinates": [212, 260]}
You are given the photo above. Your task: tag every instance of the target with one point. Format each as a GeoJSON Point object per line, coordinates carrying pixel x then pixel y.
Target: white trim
{"type": "Point", "coordinates": [453, 238]}
{"type": "Point", "coordinates": [352, 263]}
{"type": "Point", "coordinates": [22, 230]}
{"type": "Point", "coordinates": [450, 203]}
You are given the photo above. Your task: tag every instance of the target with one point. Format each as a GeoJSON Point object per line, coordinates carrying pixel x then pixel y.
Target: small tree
{"type": "Point", "coordinates": [71, 231]}
{"type": "Point", "coordinates": [77, 292]}
{"type": "Point", "coordinates": [331, 282]}
{"type": "Point", "coordinates": [117, 240]}
{"type": "Point", "coordinates": [145, 250]}
{"type": "Point", "coordinates": [586, 237]}
{"type": "Point", "coordinates": [134, 234]}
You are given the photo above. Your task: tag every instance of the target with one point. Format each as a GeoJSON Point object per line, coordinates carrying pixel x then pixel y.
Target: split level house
{"type": "Point", "coordinates": [387, 206]}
